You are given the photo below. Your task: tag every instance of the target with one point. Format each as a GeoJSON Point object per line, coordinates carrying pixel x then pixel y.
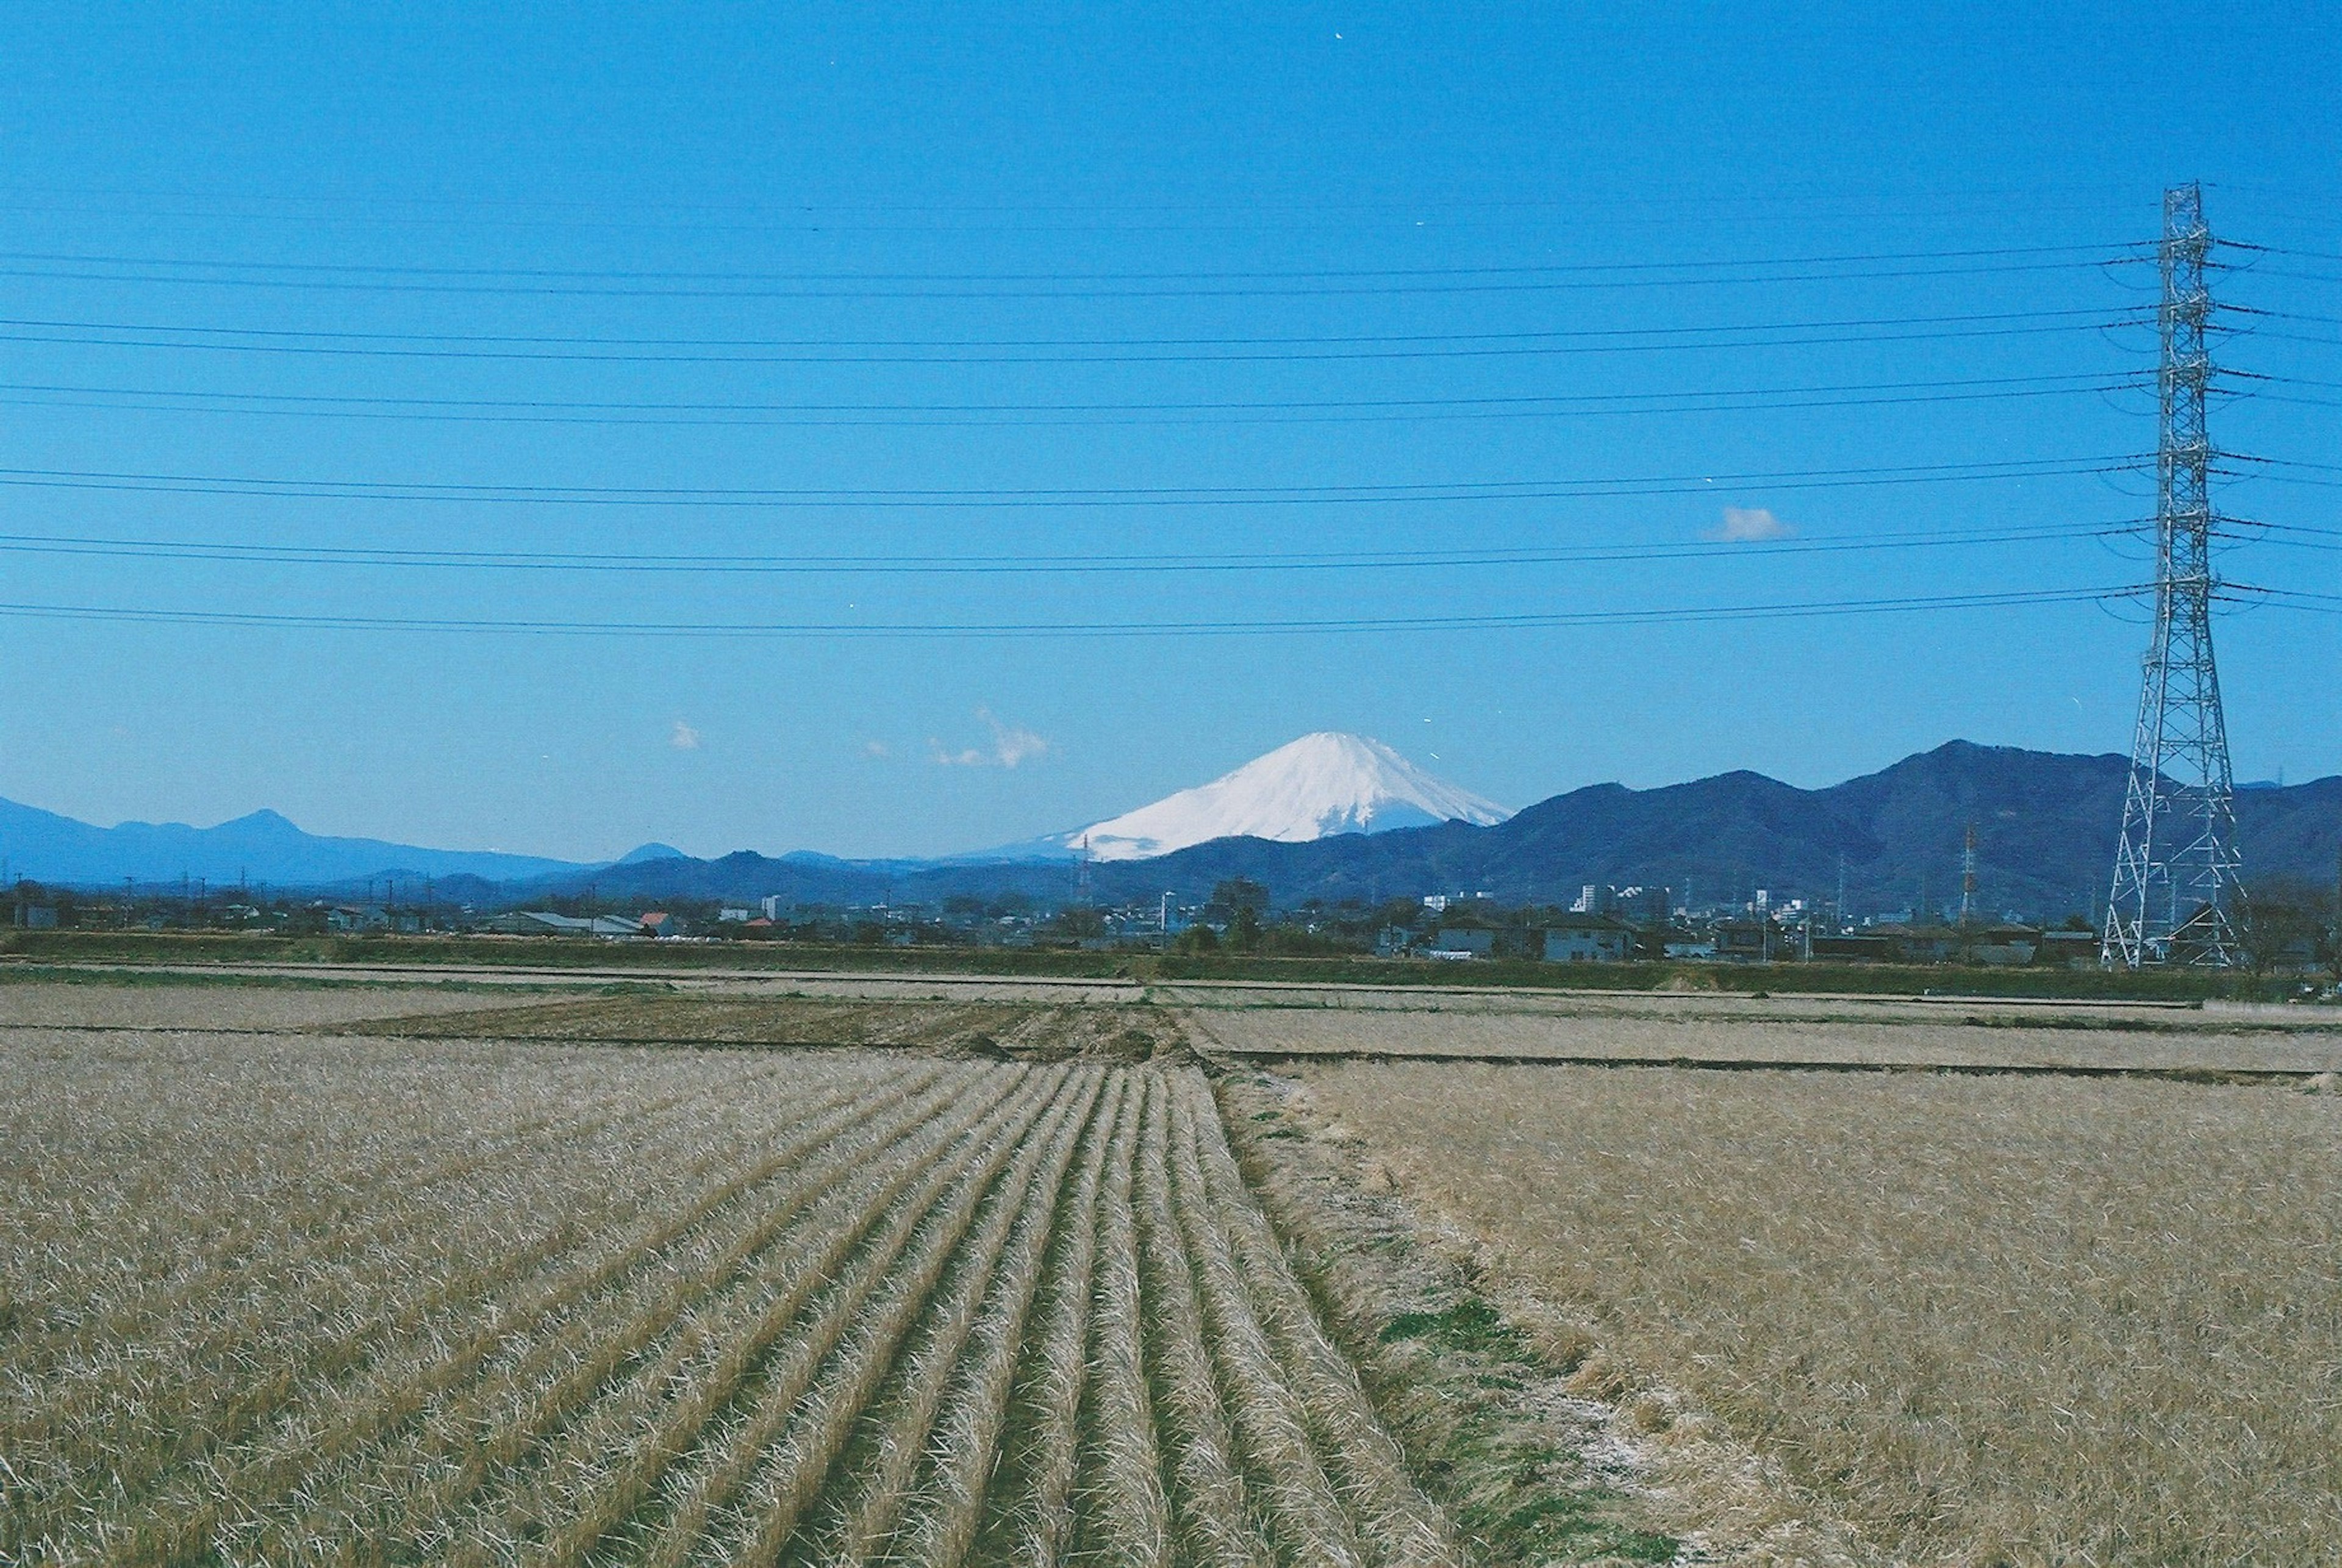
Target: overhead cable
{"type": "Point", "coordinates": [1476, 492]}
{"type": "Point", "coordinates": [1263, 411]}
{"type": "Point", "coordinates": [963, 630]}
{"type": "Point", "coordinates": [1059, 563]}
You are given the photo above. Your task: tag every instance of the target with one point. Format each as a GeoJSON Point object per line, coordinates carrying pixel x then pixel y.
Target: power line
{"type": "Point", "coordinates": [1472, 491]}
{"type": "Point", "coordinates": [2284, 598]}
{"type": "Point", "coordinates": [567, 275]}
{"type": "Point", "coordinates": [2295, 252]}
{"type": "Point", "coordinates": [326, 277]}
{"type": "Point", "coordinates": [1278, 411]}
{"type": "Point", "coordinates": [1047, 629]}
{"type": "Point", "coordinates": [1052, 564]}
{"type": "Point", "coordinates": [557, 348]}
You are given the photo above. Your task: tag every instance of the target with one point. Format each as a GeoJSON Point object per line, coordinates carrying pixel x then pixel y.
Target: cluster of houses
{"type": "Point", "coordinates": [652, 923]}
{"type": "Point", "coordinates": [1575, 939]}
{"type": "Point", "coordinates": [1602, 925]}
{"type": "Point", "coordinates": [1610, 925]}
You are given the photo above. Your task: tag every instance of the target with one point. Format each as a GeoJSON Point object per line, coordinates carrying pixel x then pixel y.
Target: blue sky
{"type": "Point", "coordinates": [453, 281]}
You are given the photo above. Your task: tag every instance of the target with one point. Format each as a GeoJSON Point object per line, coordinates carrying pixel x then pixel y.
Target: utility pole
{"type": "Point", "coordinates": [2175, 873]}
{"type": "Point", "coordinates": [1967, 879]}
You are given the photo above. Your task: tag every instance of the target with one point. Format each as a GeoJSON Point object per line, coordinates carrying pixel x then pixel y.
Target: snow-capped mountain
{"type": "Point", "coordinates": [1316, 786]}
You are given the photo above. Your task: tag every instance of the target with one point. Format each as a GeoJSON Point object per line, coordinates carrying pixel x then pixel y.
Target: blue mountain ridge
{"type": "Point", "coordinates": [2045, 829]}
{"type": "Point", "coordinates": [261, 847]}
{"type": "Point", "coordinates": [2045, 823]}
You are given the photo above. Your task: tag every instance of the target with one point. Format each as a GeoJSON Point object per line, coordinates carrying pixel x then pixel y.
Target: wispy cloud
{"type": "Point", "coordinates": [1748, 525]}
{"type": "Point", "coordinates": [1012, 744]}
{"type": "Point", "coordinates": [879, 750]}
{"type": "Point", "coordinates": [685, 738]}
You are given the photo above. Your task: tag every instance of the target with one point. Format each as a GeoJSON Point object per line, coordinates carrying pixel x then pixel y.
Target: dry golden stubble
{"type": "Point", "coordinates": [344, 1421]}
{"type": "Point", "coordinates": [102, 1427]}
{"type": "Point", "coordinates": [1125, 1516]}
{"type": "Point", "coordinates": [995, 1271]}
{"type": "Point", "coordinates": [947, 1510]}
{"type": "Point", "coordinates": [565, 1409]}
{"type": "Point", "coordinates": [897, 1244]}
{"type": "Point", "coordinates": [1272, 1434]}
{"type": "Point", "coordinates": [1400, 1525]}
{"type": "Point", "coordinates": [1034, 1528]}
{"type": "Point", "coordinates": [797, 1466]}
{"type": "Point", "coordinates": [2082, 1321]}
{"type": "Point", "coordinates": [1208, 1489]}
{"type": "Point", "coordinates": [1928, 1040]}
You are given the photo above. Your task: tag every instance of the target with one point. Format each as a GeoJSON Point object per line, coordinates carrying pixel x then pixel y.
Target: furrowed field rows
{"type": "Point", "coordinates": [2175, 1043]}
{"type": "Point", "coordinates": [664, 1309]}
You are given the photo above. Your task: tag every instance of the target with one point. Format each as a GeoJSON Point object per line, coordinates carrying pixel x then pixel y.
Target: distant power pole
{"type": "Point", "coordinates": [1967, 878]}
{"type": "Point", "coordinates": [2176, 873]}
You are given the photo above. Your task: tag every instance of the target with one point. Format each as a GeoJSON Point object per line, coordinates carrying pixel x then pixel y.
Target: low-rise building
{"type": "Point", "coordinates": [1589, 939]}
{"type": "Point", "coordinates": [545, 922]}
{"type": "Point", "coordinates": [2069, 949]}
{"type": "Point", "coordinates": [1472, 941]}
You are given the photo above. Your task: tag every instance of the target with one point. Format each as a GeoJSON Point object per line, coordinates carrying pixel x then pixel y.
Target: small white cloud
{"type": "Point", "coordinates": [685, 738]}
{"type": "Point", "coordinates": [1012, 744]}
{"type": "Point", "coordinates": [878, 749]}
{"type": "Point", "coordinates": [1748, 524]}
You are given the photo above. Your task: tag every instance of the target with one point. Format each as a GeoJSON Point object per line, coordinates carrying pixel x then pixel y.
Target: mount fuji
{"type": "Point", "coordinates": [1316, 787]}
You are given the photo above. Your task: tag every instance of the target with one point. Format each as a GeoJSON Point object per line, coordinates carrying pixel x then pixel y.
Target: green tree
{"type": "Point", "coordinates": [1198, 939]}
{"type": "Point", "coordinates": [1239, 892]}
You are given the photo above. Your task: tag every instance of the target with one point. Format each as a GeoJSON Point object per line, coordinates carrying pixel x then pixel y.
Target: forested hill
{"type": "Point", "coordinates": [2045, 829]}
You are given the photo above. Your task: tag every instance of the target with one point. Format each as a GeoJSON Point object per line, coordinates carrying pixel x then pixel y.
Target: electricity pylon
{"type": "Point", "coordinates": [2176, 873]}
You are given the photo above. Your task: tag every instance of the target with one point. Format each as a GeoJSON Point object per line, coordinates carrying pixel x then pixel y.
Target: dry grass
{"type": "Point", "coordinates": [2172, 1042]}
{"type": "Point", "coordinates": [115, 1002]}
{"type": "Point", "coordinates": [1023, 1031]}
{"type": "Point", "coordinates": [1686, 1003]}
{"type": "Point", "coordinates": [1989, 1320]}
{"type": "Point", "coordinates": [313, 1299]}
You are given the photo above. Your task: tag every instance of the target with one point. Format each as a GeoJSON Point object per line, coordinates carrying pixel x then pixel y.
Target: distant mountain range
{"type": "Point", "coordinates": [2046, 827]}
{"type": "Point", "coordinates": [263, 847]}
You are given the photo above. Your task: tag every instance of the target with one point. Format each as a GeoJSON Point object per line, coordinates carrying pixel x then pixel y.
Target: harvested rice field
{"type": "Point", "coordinates": [1720, 1033]}
{"type": "Point", "coordinates": [308, 1299]}
{"type": "Point", "coordinates": [106, 1002]}
{"type": "Point", "coordinates": [1024, 1029]}
{"type": "Point", "coordinates": [1980, 1319]}
{"type": "Point", "coordinates": [322, 1269]}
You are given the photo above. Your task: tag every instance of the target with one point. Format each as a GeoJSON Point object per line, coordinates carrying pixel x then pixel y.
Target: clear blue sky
{"type": "Point", "coordinates": [497, 246]}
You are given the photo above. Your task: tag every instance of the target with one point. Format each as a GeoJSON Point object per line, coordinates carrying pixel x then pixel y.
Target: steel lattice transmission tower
{"type": "Point", "coordinates": [2175, 883]}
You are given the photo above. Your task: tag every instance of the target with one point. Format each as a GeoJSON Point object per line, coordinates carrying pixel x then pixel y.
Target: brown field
{"type": "Point", "coordinates": [326, 1270]}
{"type": "Point", "coordinates": [1916, 1035]}
{"type": "Point", "coordinates": [161, 1004]}
{"type": "Point", "coordinates": [1023, 1030]}
{"type": "Point", "coordinates": [1989, 1320]}
{"type": "Point", "coordinates": [310, 1299]}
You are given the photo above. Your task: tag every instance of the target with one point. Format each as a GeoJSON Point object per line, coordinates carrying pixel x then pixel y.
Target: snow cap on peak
{"type": "Point", "coordinates": [1323, 784]}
